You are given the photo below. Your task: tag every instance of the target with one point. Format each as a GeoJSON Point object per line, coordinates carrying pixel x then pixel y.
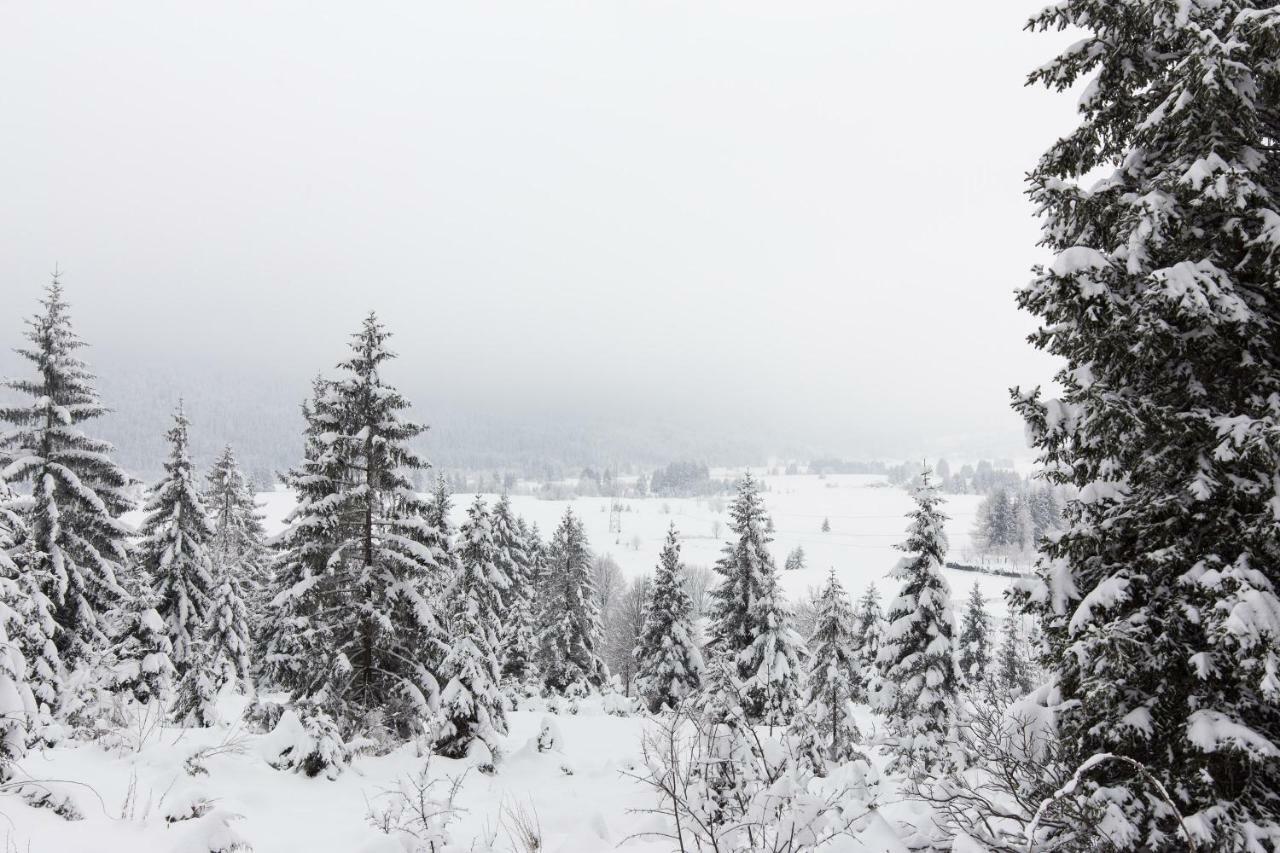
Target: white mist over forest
{"type": "Point", "coordinates": [600, 233]}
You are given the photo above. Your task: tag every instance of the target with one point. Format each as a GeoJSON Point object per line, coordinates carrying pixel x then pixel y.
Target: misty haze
{"type": "Point", "coordinates": [707, 426]}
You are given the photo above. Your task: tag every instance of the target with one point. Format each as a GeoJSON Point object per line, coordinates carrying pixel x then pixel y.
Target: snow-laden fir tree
{"type": "Point", "coordinates": [471, 704]}
{"type": "Point", "coordinates": [795, 559]}
{"type": "Point", "coordinates": [669, 666]}
{"type": "Point", "coordinates": [1159, 602]}
{"type": "Point", "coordinates": [75, 544]}
{"type": "Point", "coordinates": [33, 628]}
{"type": "Point", "coordinates": [436, 512]}
{"type": "Point", "coordinates": [174, 551]}
{"type": "Point", "coordinates": [830, 683]}
{"type": "Point", "coordinates": [975, 640]}
{"type": "Point", "coordinates": [518, 634]}
{"type": "Point", "coordinates": [18, 709]}
{"type": "Point", "coordinates": [774, 662]}
{"type": "Point", "coordinates": [239, 563]}
{"type": "Point", "coordinates": [868, 632]}
{"type": "Point", "coordinates": [362, 638]}
{"type": "Point", "coordinates": [311, 538]}
{"type": "Point", "coordinates": [1013, 669]}
{"type": "Point", "coordinates": [570, 637]}
{"type": "Point", "coordinates": [239, 539]}
{"type": "Point", "coordinates": [537, 551]}
{"type": "Point", "coordinates": [227, 631]}
{"type": "Point", "coordinates": [196, 702]}
{"type": "Point", "coordinates": [917, 652]}
{"type": "Point", "coordinates": [750, 623]}
{"type": "Point", "coordinates": [143, 651]}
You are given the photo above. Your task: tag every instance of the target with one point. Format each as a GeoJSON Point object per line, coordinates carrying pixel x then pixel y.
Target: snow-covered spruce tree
{"type": "Point", "coordinates": [537, 551]}
{"type": "Point", "coordinates": [18, 709]}
{"type": "Point", "coordinates": [1013, 670]}
{"type": "Point", "coordinates": [75, 545]}
{"type": "Point", "coordinates": [174, 550]}
{"type": "Point", "coordinates": [239, 538]}
{"type": "Point", "coordinates": [143, 651]}
{"type": "Point", "coordinates": [311, 538]}
{"type": "Point", "coordinates": [570, 636]}
{"type": "Point", "coordinates": [917, 652]}
{"type": "Point", "coordinates": [471, 705]}
{"type": "Point", "coordinates": [669, 666]}
{"type": "Point", "coordinates": [518, 639]}
{"type": "Point", "coordinates": [738, 619]}
{"type": "Point", "coordinates": [363, 638]}
{"type": "Point", "coordinates": [975, 640]}
{"type": "Point", "coordinates": [868, 631]}
{"type": "Point", "coordinates": [795, 559]}
{"type": "Point", "coordinates": [227, 631]}
{"type": "Point", "coordinates": [436, 512]}
{"type": "Point", "coordinates": [830, 680]}
{"type": "Point", "coordinates": [1159, 602]}
{"type": "Point", "coordinates": [32, 628]}
{"type": "Point", "coordinates": [774, 662]}
{"type": "Point", "coordinates": [196, 702]}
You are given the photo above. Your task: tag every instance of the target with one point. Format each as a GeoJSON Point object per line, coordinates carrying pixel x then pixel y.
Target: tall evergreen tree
{"type": "Point", "coordinates": [774, 662]}
{"type": "Point", "coordinates": [1159, 602]}
{"type": "Point", "coordinates": [439, 505]}
{"type": "Point", "coordinates": [143, 651]}
{"type": "Point", "coordinates": [868, 634]}
{"type": "Point", "coordinates": [918, 649]}
{"type": "Point", "coordinates": [744, 567]}
{"type": "Point", "coordinates": [196, 702]}
{"type": "Point", "coordinates": [311, 538]}
{"type": "Point", "coordinates": [75, 544]}
{"type": "Point", "coordinates": [19, 713]}
{"type": "Point", "coordinates": [239, 545]}
{"type": "Point", "coordinates": [1013, 668]}
{"type": "Point", "coordinates": [227, 631]}
{"type": "Point", "coordinates": [750, 624]}
{"type": "Point", "coordinates": [975, 639]}
{"type": "Point", "coordinates": [669, 666]}
{"type": "Point", "coordinates": [831, 680]}
{"type": "Point", "coordinates": [175, 546]}
{"type": "Point", "coordinates": [33, 627]}
{"type": "Point", "coordinates": [571, 636]}
{"type": "Point", "coordinates": [364, 638]}
{"type": "Point", "coordinates": [518, 643]}
{"type": "Point", "coordinates": [471, 705]}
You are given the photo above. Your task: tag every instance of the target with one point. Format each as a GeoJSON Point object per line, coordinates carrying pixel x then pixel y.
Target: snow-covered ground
{"type": "Point", "coordinates": [579, 794]}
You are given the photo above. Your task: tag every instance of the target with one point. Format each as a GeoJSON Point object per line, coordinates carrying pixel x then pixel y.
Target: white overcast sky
{"type": "Point", "coordinates": [813, 208]}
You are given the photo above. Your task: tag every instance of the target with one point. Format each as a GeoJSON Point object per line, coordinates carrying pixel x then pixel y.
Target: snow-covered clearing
{"type": "Point", "coordinates": [868, 517]}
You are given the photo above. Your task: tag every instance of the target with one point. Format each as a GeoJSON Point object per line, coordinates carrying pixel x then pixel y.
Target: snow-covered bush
{"type": "Point", "coordinates": [204, 827]}
{"type": "Point", "coordinates": [1011, 768]}
{"type": "Point", "coordinates": [725, 785]}
{"type": "Point", "coordinates": [418, 810]}
{"type": "Point", "coordinates": [309, 744]}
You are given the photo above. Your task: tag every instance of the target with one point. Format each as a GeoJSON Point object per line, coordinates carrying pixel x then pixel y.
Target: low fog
{"type": "Point", "coordinates": [639, 229]}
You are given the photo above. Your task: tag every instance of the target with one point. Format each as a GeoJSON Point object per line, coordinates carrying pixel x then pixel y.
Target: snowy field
{"type": "Point", "coordinates": [578, 794]}
{"type": "Point", "coordinates": [868, 517]}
